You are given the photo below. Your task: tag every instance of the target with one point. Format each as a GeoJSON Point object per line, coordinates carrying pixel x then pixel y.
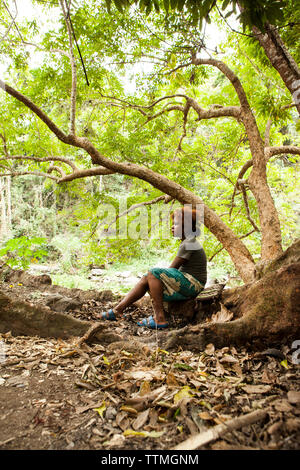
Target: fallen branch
{"type": "Point", "coordinates": [216, 432]}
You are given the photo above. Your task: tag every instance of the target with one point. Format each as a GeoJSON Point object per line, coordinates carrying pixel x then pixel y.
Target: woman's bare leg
{"type": "Point", "coordinates": [156, 292]}
{"type": "Point", "coordinates": [147, 283]}
{"type": "Point", "coordinates": [135, 294]}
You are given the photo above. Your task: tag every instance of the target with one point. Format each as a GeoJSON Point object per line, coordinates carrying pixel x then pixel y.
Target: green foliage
{"type": "Point", "coordinates": [210, 154]}
{"type": "Point", "coordinates": [20, 252]}
{"type": "Point", "coordinates": [254, 12]}
{"type": "Point", "coordinates": [69, 247]}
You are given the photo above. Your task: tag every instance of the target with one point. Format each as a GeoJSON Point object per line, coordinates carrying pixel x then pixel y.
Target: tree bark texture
{"type": "Point", "coordinates": [281, 60]}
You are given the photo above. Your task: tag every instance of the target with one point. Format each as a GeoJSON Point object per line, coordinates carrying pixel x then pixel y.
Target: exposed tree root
{"type": "Point", "coordinates": [268, 312]}
{"type": "Point", "coordinates": [265, 311]}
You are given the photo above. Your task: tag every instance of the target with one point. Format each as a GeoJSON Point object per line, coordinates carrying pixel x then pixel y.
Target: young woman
{"type": "Point", "coordinates": [184, 279]}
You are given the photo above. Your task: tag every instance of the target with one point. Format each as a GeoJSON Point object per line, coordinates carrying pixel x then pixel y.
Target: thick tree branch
{"type": "Point", "coordinates": [287, 149]}
{"type": "Point", "coordinates": [280, 59]}
{"type": "Point", "coordinates": [269, 152]}
{"type": "Point", "coordinates": [85, 173]}
{"type": "Point", "coordinates": [222, 248]}
{"type": "Point", "coordinates": [232, 77]}
{"type": "Point", "coordinates": [238, 251]}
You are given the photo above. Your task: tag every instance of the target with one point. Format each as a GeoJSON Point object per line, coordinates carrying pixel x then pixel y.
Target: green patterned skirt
{"type": "Point", "coordinates": [176, 284]}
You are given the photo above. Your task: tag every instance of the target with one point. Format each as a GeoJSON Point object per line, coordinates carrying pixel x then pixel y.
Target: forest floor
{"type": "Point", "coordinates": [56, 396]}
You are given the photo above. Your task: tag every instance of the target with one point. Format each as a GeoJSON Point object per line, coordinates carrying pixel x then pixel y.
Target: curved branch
{"type": "Point", "coordinates": [215, 111]}
{"type": "Point", "coordinates": [56, 168]}
{"type": "Point", "coordinates": [238, 251]}
{"type": "Point", "coordinates": [85, 173]}
{"type": "Point", "coordinates": [286, 149]}
{"type": "Point", "coordinates": [41, 159]}
{"type": "Point", "coordinates": [232, 77]}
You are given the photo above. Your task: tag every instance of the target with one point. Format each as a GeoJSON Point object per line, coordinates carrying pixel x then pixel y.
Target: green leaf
{"type": "Point", "coordinates": [106, 361]}
{"type": "Point", "coordinates": [185, 392]}
{"type": "Point", "coordinates": [101, 409]}
{"type": "Point", "coordinates": [131, 432]}
{"type": "Point", "coordinates": [225, 4]}
{"type": "Point", "coordinates": [284, 364]}
{"type": "Point", "coordinates": [183, 366]}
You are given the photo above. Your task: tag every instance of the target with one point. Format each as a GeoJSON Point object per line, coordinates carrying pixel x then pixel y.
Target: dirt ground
{"type": "Point", "coordinates": [55, 395]}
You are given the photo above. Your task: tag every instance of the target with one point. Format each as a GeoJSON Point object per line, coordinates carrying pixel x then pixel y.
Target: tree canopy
{"type": "Point", "coordinates": [96, 92]}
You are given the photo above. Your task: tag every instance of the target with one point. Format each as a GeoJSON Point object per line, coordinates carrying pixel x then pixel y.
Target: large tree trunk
{"type": "Point", "coordinates": [280, 59]}
{"type": "Point", "coordinates": [266, 311]}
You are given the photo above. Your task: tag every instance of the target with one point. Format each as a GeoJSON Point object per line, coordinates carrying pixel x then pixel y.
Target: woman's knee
{"type": "Point", "coordinates": [150, 275]}
{"type": "Point", "coordinates": [144, 280]}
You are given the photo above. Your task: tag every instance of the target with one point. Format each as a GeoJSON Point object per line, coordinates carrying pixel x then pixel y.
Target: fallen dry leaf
{"type": "Point", "coordinates": [171, 380]}
{"type": "Point", "coordinates": [185, 392]}
{"type": "Point", "coordinates": [257, 388]}
{"type": "Point", "coordinates": [230, 359]}
{"type": "Point", "coordinates": [117, 440]}
{"type": "Point", "coordinates": [147, 375]}
{"type": "Point", "coordinates": [141, 419]}
{"type": "Point", "coordinates": [206, 416]}
{"type": "Point", "coordinates": [132, 433]}
{"type": "Point", "coordinates": [145, 388]}
{"type": "Point", "coordinates": [210, 349]}
{"type": "Point", "coordinates": [129, 409]}
{"type": "Point", "coordinates": [282, 405]}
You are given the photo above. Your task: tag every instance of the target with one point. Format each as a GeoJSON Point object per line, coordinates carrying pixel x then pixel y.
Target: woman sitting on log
{"type": "Point", "coordinates": [183, 280]}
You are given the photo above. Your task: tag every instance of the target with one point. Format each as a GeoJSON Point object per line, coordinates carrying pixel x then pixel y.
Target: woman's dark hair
{"type": "Point", "coordinates": [190, 219]}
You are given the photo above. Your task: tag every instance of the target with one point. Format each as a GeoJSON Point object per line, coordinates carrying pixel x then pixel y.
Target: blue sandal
{"type": "Point", "coordinates": [151, 323]}
{"type": "Point", "coordinates": [108, 315]}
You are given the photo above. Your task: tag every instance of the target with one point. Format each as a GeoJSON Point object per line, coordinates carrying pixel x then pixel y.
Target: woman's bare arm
{"type": "Point", "coordinates": [177, 262]}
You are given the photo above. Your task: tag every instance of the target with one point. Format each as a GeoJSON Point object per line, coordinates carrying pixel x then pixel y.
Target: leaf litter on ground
{"type": "Point", "coordinates": [131, 399]}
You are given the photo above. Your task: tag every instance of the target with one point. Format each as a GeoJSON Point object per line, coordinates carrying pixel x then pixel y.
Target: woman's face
{"type": "Point", "coordinates": [176, 227]}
